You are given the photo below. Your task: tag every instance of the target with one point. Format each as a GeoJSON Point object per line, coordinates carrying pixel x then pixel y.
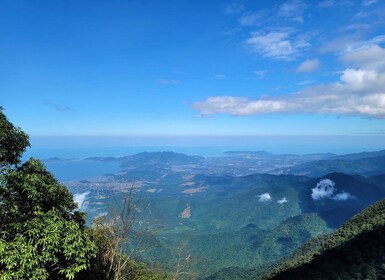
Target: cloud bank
{"type": "Point", "coordinates": [360, 90]}
{"type": "Point", "coordinates": [282, 201]}
{"type": "Point", "coordinates": [325, 189]}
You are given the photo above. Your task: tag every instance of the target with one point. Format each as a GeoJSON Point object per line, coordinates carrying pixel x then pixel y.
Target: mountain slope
{"type": "Point", "coordinates": [355, 251]}
{"type": "Point", "coordinates": [361, 155]}
{"type": "Point", "coordinates": [362, 166]}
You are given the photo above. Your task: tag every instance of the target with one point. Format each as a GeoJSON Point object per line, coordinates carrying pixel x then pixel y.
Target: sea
{"type": "Point", "coordinates": [69, 162]}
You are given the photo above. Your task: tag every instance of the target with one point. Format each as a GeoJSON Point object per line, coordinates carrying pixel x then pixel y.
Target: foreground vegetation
{"type": "Point", "coordinates": [42, 234]}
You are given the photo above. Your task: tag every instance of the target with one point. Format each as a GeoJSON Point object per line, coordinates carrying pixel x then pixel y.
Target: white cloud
{"type": "Point", "coordinates": [79, 198]}
{"type": "Point", "coordinates": [356, 27]}
{"type": "Point", "coordinates": [325, 189]}
{"type": "Point", "coordinates": [309, 65]}
{"type": "Point", "coordinates": [293, 9]}
{"type": "Point", "coordinates": [360, 91]}
{"type": "Point", "coordinates": [168, 82]}
{"type": "Point", "coordinates": [277, 45]}
{"type": "Point", "coordinates": [282, 201]}
{"type": "Point", "coordinates": [350, 43]}
{"type": "Point", "coordinates": [369, 57]}
{"type": "Point", "coordinates": [342, 196]}
{"type": "Point", "coordinates": [339, 44]}
{"type": "Point", "coordinates": [265, 197]}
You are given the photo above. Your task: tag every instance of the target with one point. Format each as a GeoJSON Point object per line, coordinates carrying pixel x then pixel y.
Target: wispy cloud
{"type": "Point", "coordinates": [335, 3]}
{"type": "Point", "coordinates": [166, 82]}
{"type": "Point", "coordinates": [368, 2]}
{"type": "Point", "coordinates": [260, 73]}
{"type": "Point", "coordinates": [253, 18]}
{"type": "Point", "coordinates": [309, 65]}
{"type": "Point", "coordinates": [278, 45]}
{"type": "Point", "coordinates": [360, 91]}
{"type": "Point", "coordinates": [233, 8]}
{"type": "Point", "coordinates": [326, 4]}
{"type": "Point", "coordinates": [293, 9]}
{"type": "Point", "coordinates": [219, 77]}
{"type": "Point", "coordinates": [305, 82]}
{"type": "Point", "coordinates": [57, 107]}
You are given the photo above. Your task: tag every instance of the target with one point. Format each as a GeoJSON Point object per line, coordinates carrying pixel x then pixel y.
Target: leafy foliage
{"type": "Point", "coordinates": [13, 142]}
{"type": "Point", "coordinates": [41, 234]}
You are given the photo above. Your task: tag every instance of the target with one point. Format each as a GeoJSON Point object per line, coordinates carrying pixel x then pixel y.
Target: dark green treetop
{"type": "Point", "coordinates": [13, 142]}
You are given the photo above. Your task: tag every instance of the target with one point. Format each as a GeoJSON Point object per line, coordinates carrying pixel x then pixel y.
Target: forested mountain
{"type": "Point", "coordinates": [355, 251]}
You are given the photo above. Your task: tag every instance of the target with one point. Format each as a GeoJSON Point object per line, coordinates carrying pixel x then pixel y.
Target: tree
{"type": "Point", "coordinates": [118, 237]}
{"type": "Point", "coordinates": [13, 142]}
{"type": "Point", "coordinates": [42, 236]}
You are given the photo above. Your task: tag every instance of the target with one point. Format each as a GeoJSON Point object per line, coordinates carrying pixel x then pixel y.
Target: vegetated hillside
{"type": "Point", "coordinates": [363, 166]}
{"type": "Point", "coordinates": [378, 180]}
{"type": "Point", "coordinates": [313, 205]}
{"type": "Point", "coordinates": [355, 251]}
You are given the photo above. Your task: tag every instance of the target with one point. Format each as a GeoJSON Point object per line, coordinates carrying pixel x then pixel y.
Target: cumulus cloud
{"type": "Point", "coordinates": [360, 91]}
{"type": "Point", "coordinates": [79, 198]}
{"type": "Point", "coordinates": [370, 57]}
{"type": "Point", "coordinates": [280, 45]}
{"type": "Point", "coordinates": [309, 65]}
{"type": "Point", "coordinates": [282, 201]}
{"type": "Point", "coordinates": [325, 189]}
{"type": "Point", "coordinates": [265, 197]}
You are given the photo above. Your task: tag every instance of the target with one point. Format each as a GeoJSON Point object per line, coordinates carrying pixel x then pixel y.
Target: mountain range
{"type": "Point", "coordinates": [227, 226]}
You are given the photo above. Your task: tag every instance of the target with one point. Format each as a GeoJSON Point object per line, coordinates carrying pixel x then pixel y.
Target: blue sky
{"type": "Point", "coordinates": [194, 68]}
